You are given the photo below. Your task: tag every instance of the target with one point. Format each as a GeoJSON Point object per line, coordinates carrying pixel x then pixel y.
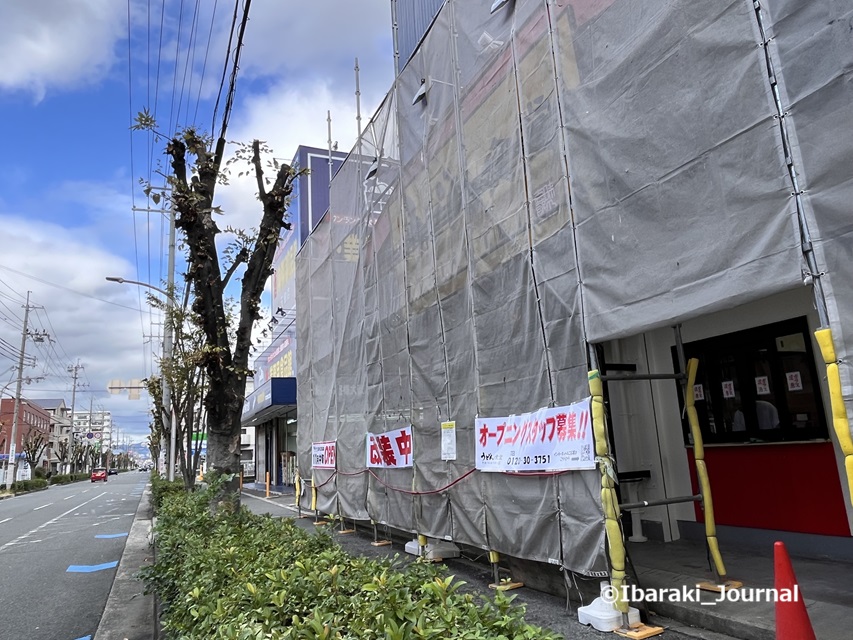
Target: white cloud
{"type": "Point", "coordinates": [320, 39]}
{"type": "Point", "coordinates": [76, 311]}
{"type": "Point", "coordinates": [57, 43]}
{"type": "Point", "coordinates": [285, 117]}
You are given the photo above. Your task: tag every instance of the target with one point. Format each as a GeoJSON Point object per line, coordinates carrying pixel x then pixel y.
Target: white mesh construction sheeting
{"type": "Point", "coordinates": [551, 175]}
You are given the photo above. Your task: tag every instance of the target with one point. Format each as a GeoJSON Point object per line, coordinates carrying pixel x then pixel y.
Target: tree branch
{"type": "Point", "coordinates": [259, 171]}
{"type": "Point", "coordinates": [241, 257]}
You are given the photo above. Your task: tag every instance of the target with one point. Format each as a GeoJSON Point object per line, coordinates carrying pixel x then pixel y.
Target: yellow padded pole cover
{"type": "Point", "coordinates": [609, 502]}
{"type": "Point", "coordinates": [840, 421]}
{"type": "Point", "coordinates": [702, 469]}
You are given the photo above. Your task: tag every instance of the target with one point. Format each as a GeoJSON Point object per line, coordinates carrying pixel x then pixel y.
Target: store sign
{"type": "Point", "coordinates": [551, 439]}
{"type": "Point", "coordinates": [323, 455]}
{"type": "Point", "coordinates": [390, 450]}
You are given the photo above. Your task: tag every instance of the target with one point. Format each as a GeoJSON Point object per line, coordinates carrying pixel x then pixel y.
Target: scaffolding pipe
{"type": "Point", "coordinates": [659, 503]}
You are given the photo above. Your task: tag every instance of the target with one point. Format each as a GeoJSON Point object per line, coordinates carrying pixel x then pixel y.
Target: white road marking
{"type": "Point", "coordinates": [6, 520]}
{"type": "Point", "coordinates": [43, 506]}
{"type": "Point", "coordinates": [42, 526]}
{"type": "Point", "coordinates": [69, 497]}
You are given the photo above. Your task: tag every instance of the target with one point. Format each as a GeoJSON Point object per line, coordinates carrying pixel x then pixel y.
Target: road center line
{"type": "Point", "coordinates": [43, 525]}
{"type": "Point", "coordinates": [69, 497]}
{"type": "Point", "coordinates": [6, 520]}
{"type": "Point", "coordinates": [43, 506]}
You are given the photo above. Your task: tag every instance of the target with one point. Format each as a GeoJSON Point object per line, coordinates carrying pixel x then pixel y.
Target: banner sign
{"type": "Point", "coordinates": [390, 450]}
{"type": "Point", "coordinates": [551, 439]}
{"type": "Point", "coordinates": [323, 455]}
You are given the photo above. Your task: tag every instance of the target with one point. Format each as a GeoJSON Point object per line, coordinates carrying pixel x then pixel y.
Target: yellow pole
{"type": "Point", "coordinates": [609, 500]}
{"type": "Point", "coordinates": [840, 421]}
{"type": "Point", "coordinates": [241, 478]}
{"type": "Point", "coordinates": [268, 484]}
{"type": "Point", "coordinates": [702, 470]}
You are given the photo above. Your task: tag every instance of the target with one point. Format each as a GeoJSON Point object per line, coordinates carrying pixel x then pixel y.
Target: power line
{"type": "Point", "coordinates": [173, 123]}
{"type": "Point", "coordinates": [204, 66]}
{"type": "Point", "coordinates": [59, 286]}
{"type": "Point", "coordinates": [189, 62]}
{"type": "Point", "coordinates": [232, 83]}
{"type": "Point", "coordinates": [225, 66]}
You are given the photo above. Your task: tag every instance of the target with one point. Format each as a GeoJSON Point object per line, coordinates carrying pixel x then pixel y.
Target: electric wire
{"type": "Point", "coordinates": [64, 288]}
{"type": "Point", "coordinates": [189, 63]}
{"type": "Point", "coordinates": [225, 65]}
{"type": "Point", "coordinates": [172, 115]}
{"type": "Point", "coordinates": [204, 65]}
{"type": "Point", "coordinates": [132, 168]}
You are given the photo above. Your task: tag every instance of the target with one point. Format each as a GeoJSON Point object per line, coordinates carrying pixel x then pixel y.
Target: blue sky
{"type": "Point", "coordinates": [70, 81]}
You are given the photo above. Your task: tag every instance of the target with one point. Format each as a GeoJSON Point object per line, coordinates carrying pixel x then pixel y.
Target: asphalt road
{"type": "Point", "coordinates": [58, 553]}
{"type": "Point", "coordinates": [543, 609]}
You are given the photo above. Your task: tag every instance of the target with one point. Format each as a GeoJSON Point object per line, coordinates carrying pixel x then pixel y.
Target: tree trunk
{"type": "Point", "coordinates": [224, 404]}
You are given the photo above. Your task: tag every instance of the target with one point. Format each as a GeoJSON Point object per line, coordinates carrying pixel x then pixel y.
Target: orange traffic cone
{"type": "Point", "coordinates": [792, 619]}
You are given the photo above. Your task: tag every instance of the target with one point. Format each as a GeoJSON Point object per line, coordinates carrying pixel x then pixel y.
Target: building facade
{"type": "Point", "coordinates": [268, 444]}
{"type": "Point", "coordinates": [33, 427]}
{"type": "Point", "coordinates": [410, 21]}
{"type": "Point", "coordinates": [630, 206]}
{"type": "Point", "coordinates": [59, 447]}
{"type": "Point", "coordinates": [94, 429]}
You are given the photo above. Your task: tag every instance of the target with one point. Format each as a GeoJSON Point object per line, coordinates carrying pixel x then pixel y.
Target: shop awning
{"type": "Point", "coordinates": [274, 398]}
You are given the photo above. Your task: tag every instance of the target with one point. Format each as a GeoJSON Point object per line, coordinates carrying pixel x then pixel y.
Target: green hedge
{"type": "Point", "coordinates": [160, 488]}
{"type": "Point", "coordinates": [242, 576]}
{"type": "Point", "coordinates": [29, 485]}
{"type": "Point", "coordinates": [68, 478]}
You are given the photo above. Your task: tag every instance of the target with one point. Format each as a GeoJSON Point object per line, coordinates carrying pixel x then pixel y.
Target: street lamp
{"type": "Point", "coordinates": [168, 414]}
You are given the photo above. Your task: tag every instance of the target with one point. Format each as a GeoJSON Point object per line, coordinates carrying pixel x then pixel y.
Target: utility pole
{"type": "Point", "coordinates": [73, 369]}
{"type": "Point", "coordinates": [12, 463]}
{"type": "Point", "coordinates": [168, 414]}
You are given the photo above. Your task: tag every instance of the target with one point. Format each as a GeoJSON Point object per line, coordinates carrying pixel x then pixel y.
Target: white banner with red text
{"type": "Point", "coordinates": [551, 439]}
{"type": "Point", "coordinates": [323, 455]}
{"type": "Point", "coordinates": [390, 450]}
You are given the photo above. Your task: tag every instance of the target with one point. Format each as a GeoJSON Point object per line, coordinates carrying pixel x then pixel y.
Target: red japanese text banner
{"type": "Point", "coordinates": [323, 455]}
{"type": "Point", "coordinates": [551, 439]}
{"type": "Point", "coordinates": [390, 450]}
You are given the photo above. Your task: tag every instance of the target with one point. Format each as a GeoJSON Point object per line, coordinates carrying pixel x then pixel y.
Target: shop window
{"type": "Point", "coordinates": [757, 385]}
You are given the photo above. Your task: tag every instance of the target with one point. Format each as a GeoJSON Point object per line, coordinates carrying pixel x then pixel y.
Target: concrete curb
{"type": "Point", "coordinates": [130, 614]}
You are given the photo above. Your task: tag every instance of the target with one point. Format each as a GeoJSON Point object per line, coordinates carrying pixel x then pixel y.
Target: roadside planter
{"type": "Point", "coordinates": [245, 576]}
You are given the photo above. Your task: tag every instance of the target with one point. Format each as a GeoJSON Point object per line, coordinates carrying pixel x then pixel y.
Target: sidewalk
{"type": "Point", "coordinates": [826, 585]}
{"type": "Point", "coordinates": [130, 614]}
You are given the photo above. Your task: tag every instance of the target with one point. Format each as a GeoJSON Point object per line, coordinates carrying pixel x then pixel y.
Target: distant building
{"type": "Point", "coordinates": [93, 428]}
{"type": "Point", "coordinates": [32, 420]}
{"type": "Point", "coordinates": [60, 433]}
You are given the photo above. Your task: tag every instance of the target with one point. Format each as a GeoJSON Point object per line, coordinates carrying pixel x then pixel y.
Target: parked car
{"type": "Point", "coordinates": [112, 472]}
{"type": "Point", "coordinates": [98, 474]}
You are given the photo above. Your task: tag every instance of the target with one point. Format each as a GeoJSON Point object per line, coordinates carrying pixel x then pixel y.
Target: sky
{"type": "Point", "coordinates": [73, 75]}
